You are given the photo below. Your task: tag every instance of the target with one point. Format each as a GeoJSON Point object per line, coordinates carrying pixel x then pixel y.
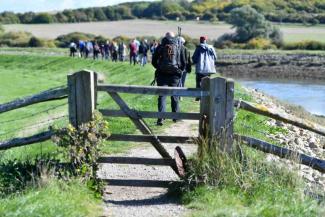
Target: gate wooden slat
{"type": "Point", "coordinates": [148, 138]}
{"type": "Point", "coordinates": [141, 183]}
{"type": "Point", "coordinates": [162, 91]}
{"type": "Point", "coordinates": [147, 114]}
{"type": "Point", "coordinates": [137, 160]}
{"type": "Point", "coordinates": [141, 125]}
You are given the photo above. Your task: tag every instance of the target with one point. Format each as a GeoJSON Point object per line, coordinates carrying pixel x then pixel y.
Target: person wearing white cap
{"type": "Point", "coordinates": [188, 63]}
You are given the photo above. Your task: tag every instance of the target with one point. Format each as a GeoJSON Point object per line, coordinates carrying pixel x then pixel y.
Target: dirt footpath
{"type": "Point", "coordinates": [146, 201]}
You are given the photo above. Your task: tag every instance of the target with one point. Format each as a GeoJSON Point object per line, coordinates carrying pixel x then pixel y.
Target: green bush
{"type": "Point", "coordinates": [250, 24]}
{"type": "Point", "coordinates": [15, 39]}
{"type": "Point", "coordinates": [35, 42]}
{"type": "Point", "coordinates": [64, 40]}
{"type": "Point", "coordinates": [304, 45]}
{"type": "Point", "coordinates": [260, 43]}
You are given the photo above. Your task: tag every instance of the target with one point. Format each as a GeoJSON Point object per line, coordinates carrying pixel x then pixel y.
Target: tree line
{"type": "Point", "coordinates": [291, 11]}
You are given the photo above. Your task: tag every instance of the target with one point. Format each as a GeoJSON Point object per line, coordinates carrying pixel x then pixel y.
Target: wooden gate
{"type": "Point", "coordinates": [215, 116]}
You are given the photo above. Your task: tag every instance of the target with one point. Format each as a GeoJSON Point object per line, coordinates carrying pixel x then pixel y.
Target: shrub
{"type": "Point", "coordinates": [81, 147]}
{"type": "Point", "coordinates": [123, 38]}
{"type": "Point", "coordinates": [304, 45]}
{"type": "Point", "coordinates": [35, 42]}
{"type": "Point", "coordinates": [15, 39]}
{"type": "Point", "coordinates": [250, 24]}
{"type": "Point", "coordinates": [64, 40]}
{"type": "Point", "coordinates": [260, 43]}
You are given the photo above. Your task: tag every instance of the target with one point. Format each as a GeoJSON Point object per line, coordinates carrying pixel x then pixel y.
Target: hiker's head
{"type": "Point", "coordinates": [170, 35]}
{"type": "Point", "coordinates": [203, 39]}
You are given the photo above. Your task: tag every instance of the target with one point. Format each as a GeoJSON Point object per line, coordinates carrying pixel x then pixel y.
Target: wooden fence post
{"type": "Point", "coordinates": [219, 112]}
{"type": "Point", "coordinates": [204, 108]}
{"type": "Point", "coordinates": [230, 115]}
{"type": "Point", "coordinates": [82, 96]}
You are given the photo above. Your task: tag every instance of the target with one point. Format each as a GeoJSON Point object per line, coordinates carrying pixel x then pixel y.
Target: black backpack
{"type": "Point", "coordinates": [170, 57]}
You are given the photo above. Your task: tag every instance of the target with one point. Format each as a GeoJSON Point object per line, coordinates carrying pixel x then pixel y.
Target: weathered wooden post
{"type": "Point", "coordinates": [217, 110]}
{"type": "Point", "coordinates": [82, 96]}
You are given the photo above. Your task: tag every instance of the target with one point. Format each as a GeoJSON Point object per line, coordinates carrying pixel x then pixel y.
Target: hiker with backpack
{"type": "Point", "coordinates": [169, 62]}
{"type": "Point", "coordinates": [204, 58]}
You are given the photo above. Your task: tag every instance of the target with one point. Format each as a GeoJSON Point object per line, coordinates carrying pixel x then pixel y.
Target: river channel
{"type": "Point", "coordinates": [308, 94]}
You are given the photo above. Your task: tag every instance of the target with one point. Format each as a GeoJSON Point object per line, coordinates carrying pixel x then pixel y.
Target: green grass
{"type": "Point", "coordinates": [56, 198]}
{"type": "Point", "coordinates": [23, 75]}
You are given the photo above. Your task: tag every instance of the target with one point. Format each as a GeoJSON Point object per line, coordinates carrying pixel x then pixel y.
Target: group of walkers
{"type": "Point", "coordinates": [173, 62]}
{"type": "Point", "coordinates": [114, 51]}
{"type": "Point", "coordinates": [170, 58]}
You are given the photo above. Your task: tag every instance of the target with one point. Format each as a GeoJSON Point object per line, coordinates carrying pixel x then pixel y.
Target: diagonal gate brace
{"type": "Point", "coordinates": [142, 126]}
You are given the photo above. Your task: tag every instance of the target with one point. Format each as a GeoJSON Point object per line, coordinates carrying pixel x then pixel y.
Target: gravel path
{"type": "Point", "coordinates": [146, 201]}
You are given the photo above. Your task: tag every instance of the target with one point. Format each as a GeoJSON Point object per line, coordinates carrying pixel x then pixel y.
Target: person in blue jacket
{"type": "Point", "coordinates": [204, 58]}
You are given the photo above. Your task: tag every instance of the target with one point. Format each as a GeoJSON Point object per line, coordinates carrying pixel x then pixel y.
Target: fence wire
{"type": "Point", "coordinates": [16, 119]}
{"type": "Point", "coordinates": [37, 125]}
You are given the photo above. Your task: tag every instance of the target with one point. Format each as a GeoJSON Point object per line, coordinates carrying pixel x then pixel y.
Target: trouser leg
{"type": "Point", "coordinates": [175, 99]}
{"type": "Point", "coordinates": [183, 78]}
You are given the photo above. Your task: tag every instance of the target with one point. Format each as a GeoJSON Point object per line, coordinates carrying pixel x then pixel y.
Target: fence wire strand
{"type": "Point", "coordinates": [32, 115]}
{"type": "Point", "coordinates": [34, 126]}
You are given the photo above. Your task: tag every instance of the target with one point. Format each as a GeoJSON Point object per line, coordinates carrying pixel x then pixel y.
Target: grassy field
{"type": "Point", "coordinates": [133, 28]}
{"type": "Point", "coordinates": [23, 75]}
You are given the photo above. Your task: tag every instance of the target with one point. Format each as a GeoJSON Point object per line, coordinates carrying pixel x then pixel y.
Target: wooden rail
{"type": "Point", "coordinates": [149, 138]}
{"type": "Point", "coordinates": [147, 114]}
{"type": "Point", "coordinates": [263, 110]}
{"type": "Point", "coordinates": [312, 162]}
{"type": "Point", "coordinates": [137, 160]}
{"type": "Point", "coordinates": [54, 94]}
{"type": "Point", "coordinates": [161, 91]}
{"type": "Point", "coordinates": [18, 142]}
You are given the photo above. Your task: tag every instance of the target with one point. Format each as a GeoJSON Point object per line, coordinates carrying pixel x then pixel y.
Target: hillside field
{"type": "Point", "coordinates": [23, 75]}
{"type": "Point", "coordinates": [132, 28]}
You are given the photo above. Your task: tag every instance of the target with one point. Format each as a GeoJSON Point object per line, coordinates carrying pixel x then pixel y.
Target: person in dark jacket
{"type": "Point", "coordinates": [188, 67]}
{"type": "Point", "coordinates": [169, 61]}
{"type": "Point", "coordinates": [143, 52]}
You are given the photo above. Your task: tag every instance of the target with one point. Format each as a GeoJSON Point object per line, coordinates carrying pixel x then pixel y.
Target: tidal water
{"type": "Point", "coordinates": [308, 94]}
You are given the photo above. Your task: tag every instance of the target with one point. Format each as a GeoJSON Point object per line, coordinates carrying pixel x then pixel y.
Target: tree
{"type": "Point", "coordinates": [2, 30]}
{"type": "Point", "coordinates": [99, 14]}
{"type": "Point", "coordinates": [26, 17]}
{"type": "Point", "coordinates": [43, 18]}
{"type": "Point", "coordinates": [250, 24]}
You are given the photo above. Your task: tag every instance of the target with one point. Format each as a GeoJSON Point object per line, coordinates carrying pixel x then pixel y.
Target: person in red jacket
{"type": "Point", "coordinates": [133, 52]}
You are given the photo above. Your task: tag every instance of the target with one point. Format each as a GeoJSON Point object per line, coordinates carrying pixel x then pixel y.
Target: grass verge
{"type": "Point", "coordinates": [56, 198]}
